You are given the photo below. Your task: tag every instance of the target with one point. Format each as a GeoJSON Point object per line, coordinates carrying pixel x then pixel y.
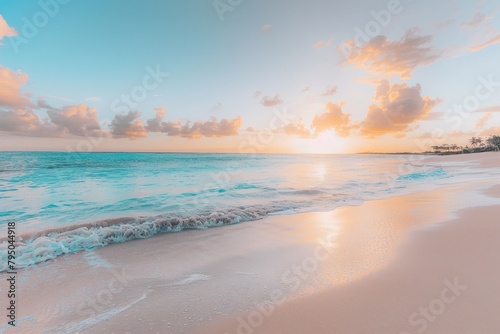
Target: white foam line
{"type": "Point", "coordinates": [104, 316]}
{"type": "Point", "coordinates": [94, 260]}
{"type": "Point", "coordinates": [190, 279]}
{"type": "Point", "coordinates": [5, 328]}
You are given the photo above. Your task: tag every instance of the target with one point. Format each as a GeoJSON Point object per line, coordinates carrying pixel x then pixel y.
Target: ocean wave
{"type": "Point", "coordinates": [432, 173]}
{"type": "Point", "coordinates": [49, 244]}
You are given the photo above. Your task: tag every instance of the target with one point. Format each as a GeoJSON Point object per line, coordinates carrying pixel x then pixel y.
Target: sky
{"type": "Point", "coordinates": [247, 76]}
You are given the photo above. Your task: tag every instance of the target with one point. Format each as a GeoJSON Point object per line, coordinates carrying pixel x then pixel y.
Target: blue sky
{"type": "Point", "coordinates": [92, 52]}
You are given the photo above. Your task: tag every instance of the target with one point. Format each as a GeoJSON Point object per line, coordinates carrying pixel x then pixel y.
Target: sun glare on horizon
{"type": "Point", "coordinates": [325, 143]}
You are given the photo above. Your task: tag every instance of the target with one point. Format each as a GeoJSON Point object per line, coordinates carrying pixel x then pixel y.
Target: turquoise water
{"type": "Point", "coordinates": [66, 202]}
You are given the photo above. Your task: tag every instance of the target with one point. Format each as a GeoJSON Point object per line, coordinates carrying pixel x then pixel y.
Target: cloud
{"type": "Point", "coordinates": [492, 41]}
{"type": "Point", "coordinates": [212, 128]}
{"type": "Point", "coordinates": [44, 105]}
{"type": "Point", "coordinates": [398, 106]}
{"type": "Point", "coordinates": [482, 121]}
{"type": "Point", "coordinates": [434, 116]}
{"type": "Point", "coordinates": [323, 44]}
{"type": "Point", "coordinates": [198, 129]}
{"type": "Point", "coordinates": [444, 24]}
{"type": "Point", "coordinates": [334, 119]}
{"type": "Point", "coordinates": [490, 132]}
{"type": "Point", "coordinates": [383, 56]}
{"type": "Point", "coordinates": [489, 109]}
{"type": "Point", "coordinates": [5, 30]}
{"type": "Point", "coordinates": [10, 88]}
{"type": "Point", "coordinates": [217, 107]}
{"type": "Point", "coordinates": [442, 137]}
{"type": "Point", "coordinates": [128, 126]}
{"type": "Point", "coordinates": [266, 27]}
{"type": "Point", "coordinates": [16, 114]}
{"type": "Point", "coordinates": [22, 121]}
{"type": "Point", "coordinates": [78, 120]}
{"type": "Point", "coordinates": [93, 99]}
{"type": "Point", "coordinates": [369, 81]}
{"type": "Point", "coordinates": [271, 101]}
{"type": "Point", "coordinates": [257, 94]}
{"type": "Point", "coordinates": [306, 89]}
{"type": "Point", "coordinates": [330, 90]}
{"type": "Point", "coordinates": [475, 21]}
{"type": "Point", "coordinates": [155, 124]}
{"type": "Point", "coordinates": [297, 129]}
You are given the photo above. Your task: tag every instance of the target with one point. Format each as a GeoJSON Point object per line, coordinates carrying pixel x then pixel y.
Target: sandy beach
{"type": "Point", "coordinates": [250, 167]}
{"type": "Point", "coordinates": [422, 262]}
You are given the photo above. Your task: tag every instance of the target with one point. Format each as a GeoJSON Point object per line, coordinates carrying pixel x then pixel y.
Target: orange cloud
{"type": "Point", "coordinates": [334, 119]}
{"type": "Point", "coordinates": [482, 121]}
{"type": "Point", "coordinates": [383, 56]}
{"type": "Point", "coordinates": [493, 131]}
{"type": "Point", "coordinates": [10, 88]}
{"type": "Point", "coordinates": [398, 106]}
{"type": "Point", "coordinates": [492, 41]}
{"type": "Point", "coordinates": [298, 129]}
{"type": "Point", "coordinates": [5, 30]}
{"type": "Point", "coordinates": [323, 44]}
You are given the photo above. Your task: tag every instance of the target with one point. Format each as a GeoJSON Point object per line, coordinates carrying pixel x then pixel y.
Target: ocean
{"type": "Point", "coordinates": [67, 202]}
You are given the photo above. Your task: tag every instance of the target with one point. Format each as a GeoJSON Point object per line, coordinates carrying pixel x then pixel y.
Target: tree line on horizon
{"type": "Point", "coordinates": [477, 144]}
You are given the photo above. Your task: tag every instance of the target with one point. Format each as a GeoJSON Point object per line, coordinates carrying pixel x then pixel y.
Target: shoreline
{"type": "Point", "coordinates": [181, 282]}
{"type": "Point", "coordinates": [442, 279]}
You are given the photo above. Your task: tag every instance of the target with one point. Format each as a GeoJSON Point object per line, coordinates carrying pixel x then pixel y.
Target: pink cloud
{"type": "Point", "coordinates": [482, 121]}
{"type": "Point", "coordinates": [271, 101]}
{"type": "Point", "coordinates": [5, 30]}
{"type": "Point", "coordinates": [128, 126]}
{"type": "Point", "coordinates": [10, 88]}
{"type": "Point", "coordinates": [475, 21]}
{"type": "Point", "coordinates": [492, 41]}
{"type": "Point", "coordinates": [330, 90]}
{"type": "Point", "coordinates": [198, 129]}
{"type": "Point", "coordinates": [323, 44]}
{"type": "Point", "coordinates": [383, 56]}
{"type": "Point", "coordinates": [21, 121]}
{"type": "Point", "coordinates": [398, 106]}
{"type": "Point", "coordinates": [78, 120]}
